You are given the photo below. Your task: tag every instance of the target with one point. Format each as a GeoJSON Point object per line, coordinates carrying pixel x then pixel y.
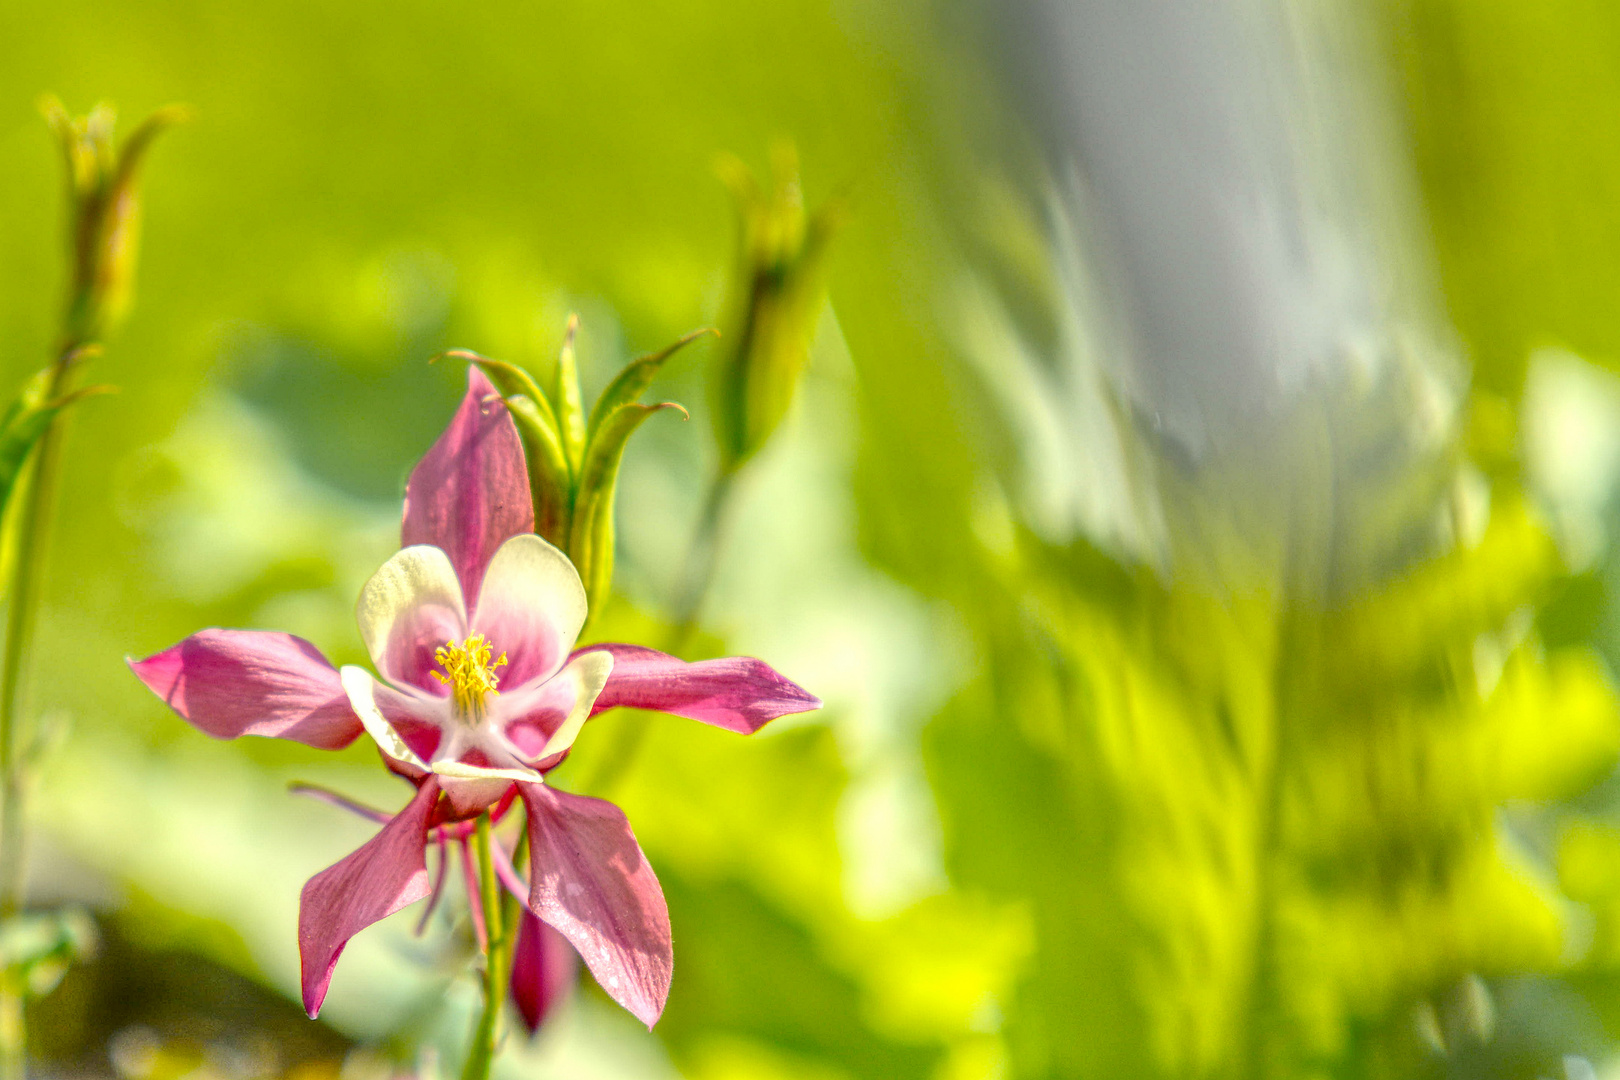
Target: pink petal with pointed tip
{"type": "Point", "coordinates": [737, 693]}
{"type": "Point", "coordinates": [470, 492]}
{"type": "Point", "coordinates": [252, 682]}
{"type": "Point", "coordinates": [544, 970]}
{"type": "Point", "coordinates": [589, 880]}
{"type": "Point", "coordinates": [388, 872]}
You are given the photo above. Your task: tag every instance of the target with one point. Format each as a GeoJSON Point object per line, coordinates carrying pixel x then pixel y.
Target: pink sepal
{"type": "Point", "coordinates": [544, 970]}
{"type": "Point", "coordinates": [253, 682]}
{"type": "Point", "coordinates": [470, 492]}
{"type": "Point", "coordinates": [737, 693]}
{"type": "Point", "coordinates": [388, 872]}
{"type": "Point", "coordinates": [590, 881]}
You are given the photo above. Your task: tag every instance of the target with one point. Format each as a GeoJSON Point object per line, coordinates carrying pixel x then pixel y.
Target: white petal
{"type": "Point", "coordinates": [361, 688]}
{"type": "Point", "coordinates": [460, 770]}
{"type": "Point", "coordinates": [412, 602]}
{"type": "Point", "coordinates": [589, 674]}
{"type": "Point", "coordinates": [531, 606]}
{"type": "Point", "coordinates": [473, 796]}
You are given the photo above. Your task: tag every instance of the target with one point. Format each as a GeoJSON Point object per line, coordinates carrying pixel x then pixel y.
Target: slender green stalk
{"type": "Point", "coordinates": [702, 557]}
{"type": "Point", "coordinates": [31, 527]}
{"type": "Point", "coordinates": [497, 951]}
{"type": "Point", "coordinates": [103, 217]}
{"type": "Point", "coordinates": [513, 910]}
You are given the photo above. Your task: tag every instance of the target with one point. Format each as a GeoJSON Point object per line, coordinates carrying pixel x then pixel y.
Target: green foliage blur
{"type": "Point", "coordinates": [1333, 800]}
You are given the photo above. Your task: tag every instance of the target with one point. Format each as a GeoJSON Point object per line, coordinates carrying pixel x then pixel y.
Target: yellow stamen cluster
{"type": "Point", "coordinates": [468, 673]}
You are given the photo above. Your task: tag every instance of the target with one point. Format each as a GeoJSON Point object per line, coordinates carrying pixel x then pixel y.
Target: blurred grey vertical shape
{"type": "Point", "coordinates": [1234, 227]}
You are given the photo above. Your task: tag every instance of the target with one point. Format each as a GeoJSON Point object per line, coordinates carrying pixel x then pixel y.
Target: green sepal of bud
{"type": "Point", "coordinates": [590, 545]}
{"type": "Point", "coordinates": [566, 401]}
{"type": "Point", "coordinates": [637, 375]}
{"type": "Point", "coordinates": [104, 210]}
{"type": "Point", "coordinates": [777, 296]}
{"type": "Point", "coordinates": [508, 378]}
{"type": "Point", "coordinates": [550, 483]}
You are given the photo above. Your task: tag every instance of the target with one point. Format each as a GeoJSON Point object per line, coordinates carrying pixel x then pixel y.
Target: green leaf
{"type": "Point", "coordinates": [37, 390]}
{"type": "Point", "coordinates": [565, 393]}
{"type": "Point", "coordinates": [590, 545]}
{"type": "Point", "coordinates": [29, 399]}
{"type": "Point", "coordinates": [550, 484]}
{"type": "Point", "coordinates": [636, 377]}
{"type": "Point", "coordinates": [26, 422]}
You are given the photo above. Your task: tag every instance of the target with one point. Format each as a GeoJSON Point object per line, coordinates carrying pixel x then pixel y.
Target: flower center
{"type": "Point", "coordinates": [468, 673]}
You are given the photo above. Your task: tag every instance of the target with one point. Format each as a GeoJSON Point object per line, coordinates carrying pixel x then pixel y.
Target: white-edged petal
{"type": "Point", "coordinates": [531, 606]}
{"type": "Point", "coordinates": [361, 689]}
{"type": "Point", "coordinates": [411, 605]}
{"type": "Point", "coordinates": [469, 795]}
{"type": "Point", "coordinates": [589, 674]}
{"type": "Point", "coordinates": [460, 770]}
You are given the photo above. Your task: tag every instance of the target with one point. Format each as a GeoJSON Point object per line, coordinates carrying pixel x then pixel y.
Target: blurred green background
{"type": "Point", "coordinates": [1324, 791]}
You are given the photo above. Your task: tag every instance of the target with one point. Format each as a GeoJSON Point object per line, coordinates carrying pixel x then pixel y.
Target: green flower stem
{"type": "Point", "coordinates": [497, 953]}
{"type": "Point", "coordinates": [513, 909]}
{"type": "Point", "coordinates": [702, 557]}
{"type": "Point", "coordinates": [31, 527]}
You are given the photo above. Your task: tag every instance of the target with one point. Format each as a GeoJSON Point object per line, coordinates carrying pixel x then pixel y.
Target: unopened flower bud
{"type": "Point", "coordinates": [776, 298]}
{"type": "Point", "coordinates": [104, 211]}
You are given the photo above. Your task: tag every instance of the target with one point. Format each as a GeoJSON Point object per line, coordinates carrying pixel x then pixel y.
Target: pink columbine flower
{"type": "Point", "coordinates": [471, 627]}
